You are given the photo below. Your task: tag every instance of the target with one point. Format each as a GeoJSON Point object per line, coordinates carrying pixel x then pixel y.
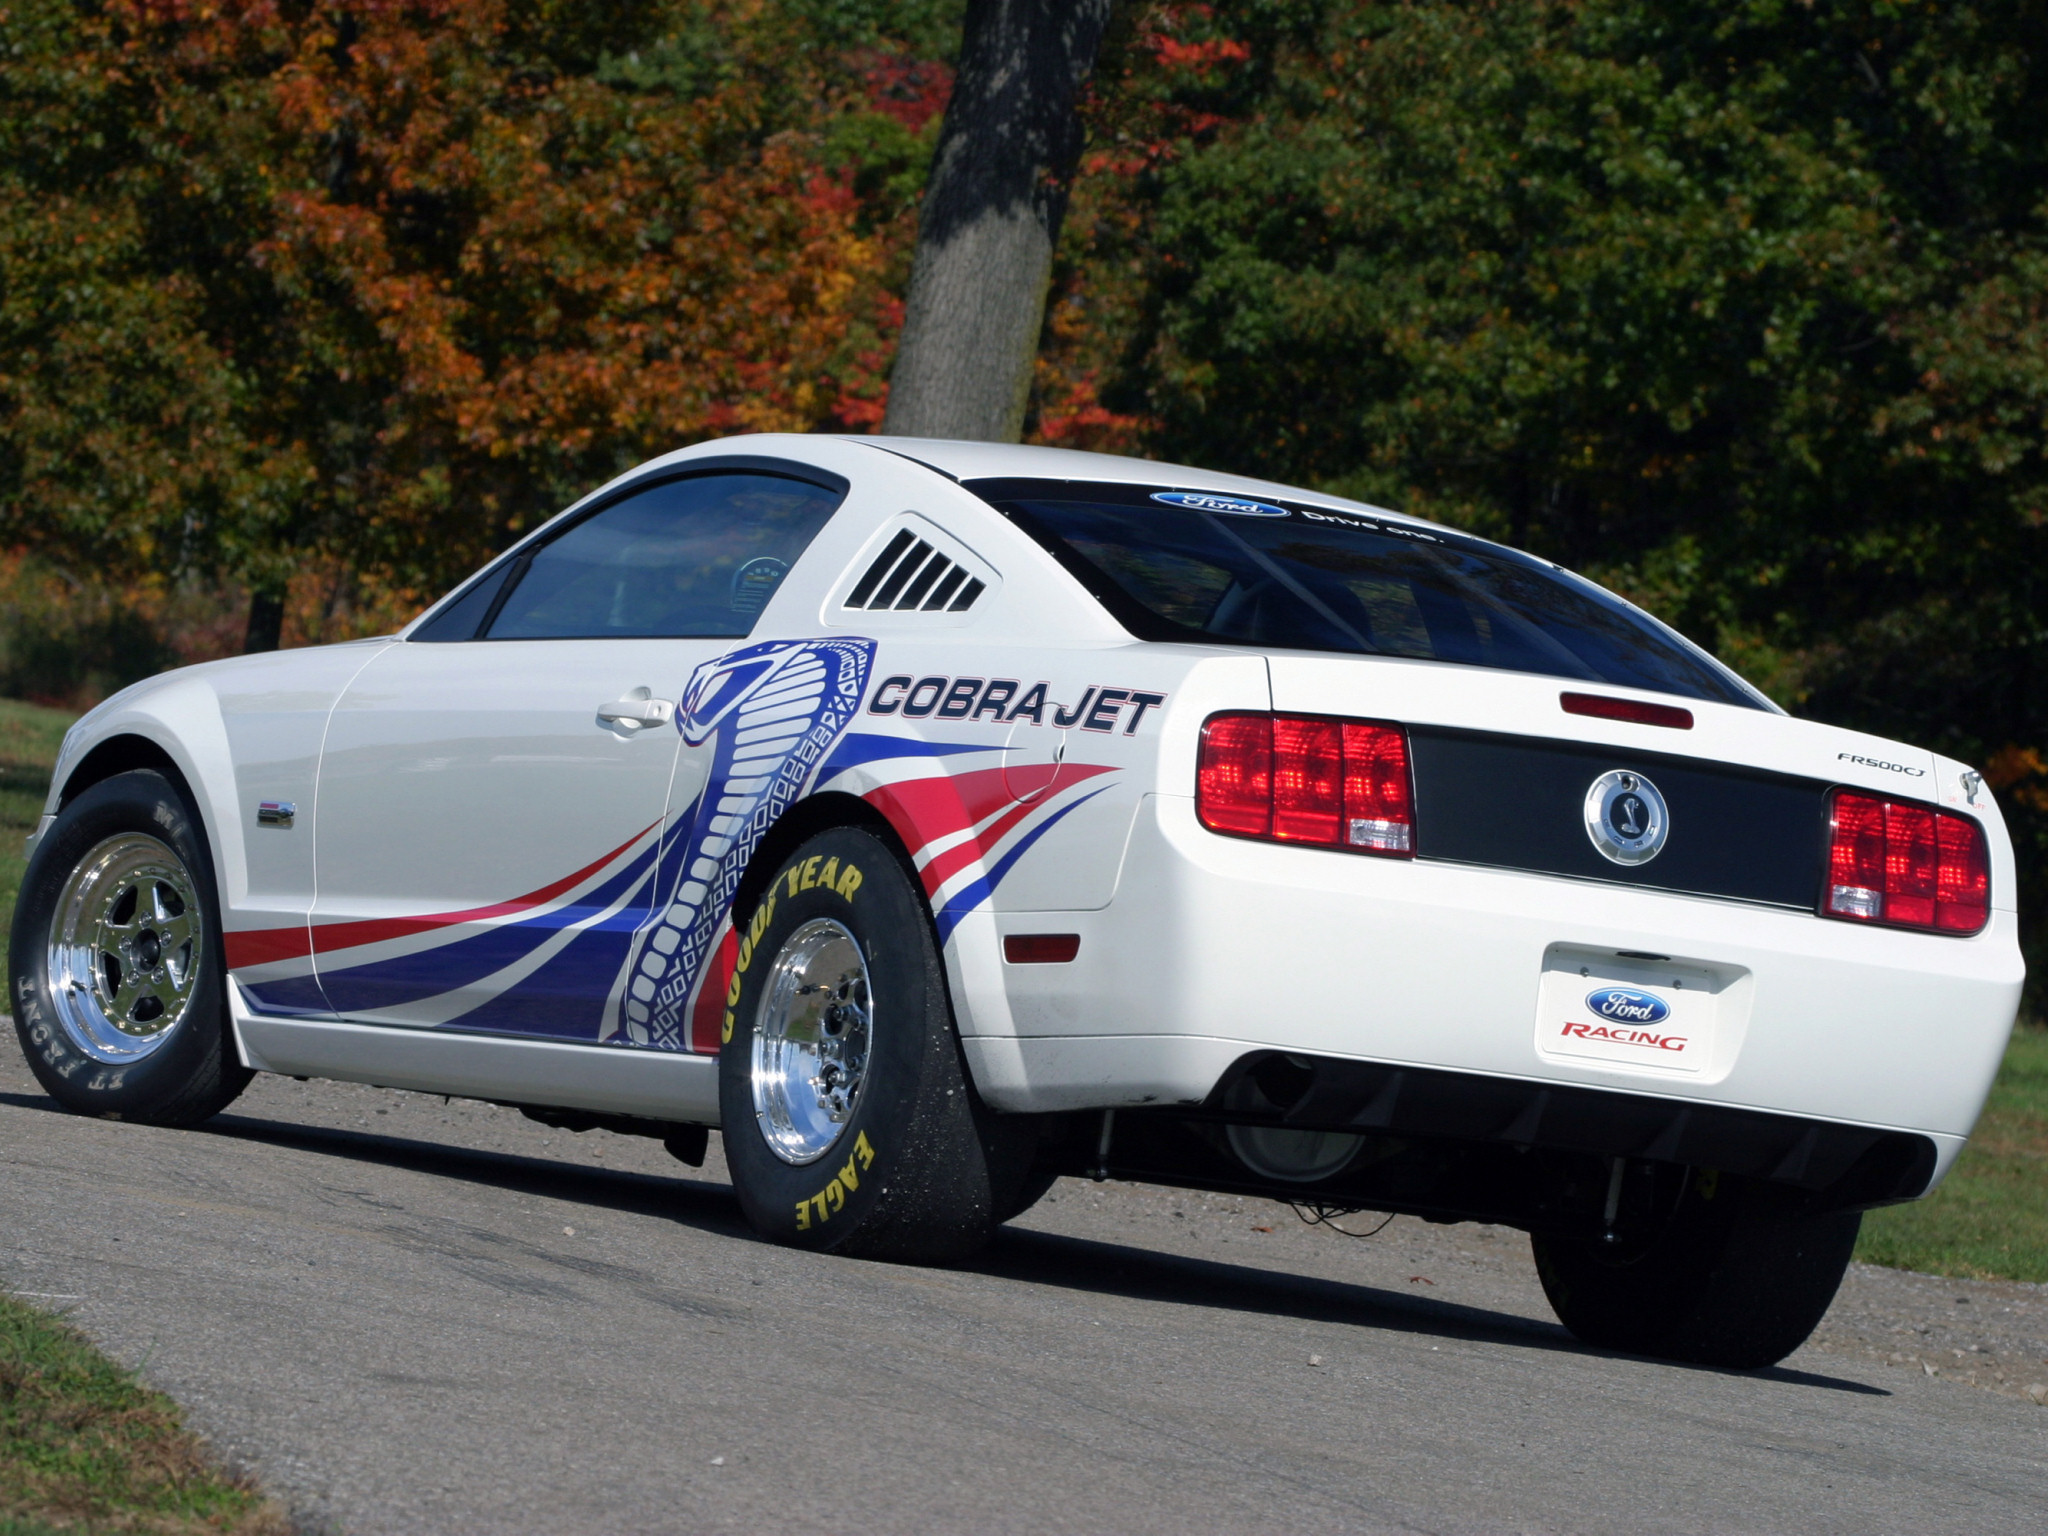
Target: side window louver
{"type": "Point", "coordinates": [909, 575]}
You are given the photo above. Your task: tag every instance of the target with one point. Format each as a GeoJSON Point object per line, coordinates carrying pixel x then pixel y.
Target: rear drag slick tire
{"type": "Point", "coordinates": [1738, 1279]}
{"type": "Point", "coordinates": [848, 1120]}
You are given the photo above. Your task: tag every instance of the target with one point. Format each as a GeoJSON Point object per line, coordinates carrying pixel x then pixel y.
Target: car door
{"type": "Point", "coordinates": [493, 792]}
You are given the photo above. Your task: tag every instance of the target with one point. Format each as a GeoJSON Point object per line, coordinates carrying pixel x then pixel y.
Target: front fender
{"type": "Point", "coordinates": [180, 717]}
{"type": "Point", "coordinates": [238, 732]}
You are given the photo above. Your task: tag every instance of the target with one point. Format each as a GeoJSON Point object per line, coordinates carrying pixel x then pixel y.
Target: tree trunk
{"type": "Point", "coordinates": [990, 217]}
{"type": "Point", "coordinates": [266, 622]}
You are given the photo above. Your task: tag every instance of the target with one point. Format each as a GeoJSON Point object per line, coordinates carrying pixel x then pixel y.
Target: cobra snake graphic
{"type": "Point", "coordinates": [770, 714]}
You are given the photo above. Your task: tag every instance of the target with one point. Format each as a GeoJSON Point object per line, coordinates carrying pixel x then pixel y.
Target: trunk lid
{"type": "Point", "coordinates": [1503, 774]}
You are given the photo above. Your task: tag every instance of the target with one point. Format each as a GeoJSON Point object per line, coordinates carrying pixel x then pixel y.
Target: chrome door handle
{"type": "Point", "coordinates": [637, 712]}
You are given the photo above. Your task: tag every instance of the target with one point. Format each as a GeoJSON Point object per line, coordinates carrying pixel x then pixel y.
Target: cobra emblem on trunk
{"type": "Point", "coordinates": [1626, 817]}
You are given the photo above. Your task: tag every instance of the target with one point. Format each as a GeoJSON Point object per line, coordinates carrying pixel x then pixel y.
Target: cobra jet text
{"type": "Point", "coordinates": [1005, 700]}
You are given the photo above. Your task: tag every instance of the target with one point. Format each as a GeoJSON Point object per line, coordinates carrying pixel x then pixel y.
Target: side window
{"type": "Point", "coordinates": [460, 619]}
{"type": "Point", "coordinates": [696, 557]}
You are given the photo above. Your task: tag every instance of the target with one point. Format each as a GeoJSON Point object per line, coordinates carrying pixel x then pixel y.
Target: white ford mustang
{"type": "Point", "coordinates": [939, 818]}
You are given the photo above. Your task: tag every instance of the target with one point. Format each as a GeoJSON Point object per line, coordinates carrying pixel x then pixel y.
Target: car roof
{"type": "Point", "coordinates": [965, 460]}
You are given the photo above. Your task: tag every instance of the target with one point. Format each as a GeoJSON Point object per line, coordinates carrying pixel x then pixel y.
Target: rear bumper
{"type": "Point", "coordinates": [1215, 947]}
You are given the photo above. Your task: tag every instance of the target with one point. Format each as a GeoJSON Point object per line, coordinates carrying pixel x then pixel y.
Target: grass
{"type": "Point", "coordinates": [29, 738]}
{"type": "Point", "coordinates": [1989, 1220]}
{"type": "Point", "coordinates": [85, 1447]}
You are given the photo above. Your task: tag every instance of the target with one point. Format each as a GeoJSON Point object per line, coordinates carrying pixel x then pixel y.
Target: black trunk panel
{"type": "Point", "coordinates": [1518, 803]}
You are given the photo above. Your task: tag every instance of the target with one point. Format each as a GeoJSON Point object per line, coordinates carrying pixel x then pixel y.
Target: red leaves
{"type": "Point", "coordinates": [1072, 417]}
{"type": "Point", "coordinates": [1200, 57]}
{"type": "Point", "coordinates": [913, 91]}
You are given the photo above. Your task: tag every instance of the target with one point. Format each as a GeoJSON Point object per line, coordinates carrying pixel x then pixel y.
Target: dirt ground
{"type": "Point", "coordinates": [1989, 1334]}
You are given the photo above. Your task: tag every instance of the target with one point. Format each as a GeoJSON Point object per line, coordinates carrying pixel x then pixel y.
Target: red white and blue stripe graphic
{"type": "Point", "coordinates": [636, 946]}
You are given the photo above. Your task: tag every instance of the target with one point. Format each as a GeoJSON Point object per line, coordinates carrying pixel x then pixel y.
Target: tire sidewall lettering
{"type": "Point", "coordinates": [757, 925]}
{"type": "Point", "coordinates": [830, 1200]}
{"type": "Point", "coordinates": [845, 880]}
{"type": "Point", "coordinates": [139, 801]}
{"type": "Point", "coordinates": [832, 876]}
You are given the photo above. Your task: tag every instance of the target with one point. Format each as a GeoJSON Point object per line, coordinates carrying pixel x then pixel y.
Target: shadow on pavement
{"type": "Point", "coordinates": [1143, 1274]}
{"type": "Point", "coordinates": [1036, 1258]}
{"type": "Point", "coordinates": [695, 1202]}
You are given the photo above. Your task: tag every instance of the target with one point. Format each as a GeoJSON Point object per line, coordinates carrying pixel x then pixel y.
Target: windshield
{"type": "Point", "coordinates": [1190, 565]}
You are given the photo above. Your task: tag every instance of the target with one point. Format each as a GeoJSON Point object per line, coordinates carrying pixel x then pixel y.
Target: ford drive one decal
{"type": "Point", "coordinates": [1628, 1005]}
{"type": "Point", "coordinates": [1208, 501]}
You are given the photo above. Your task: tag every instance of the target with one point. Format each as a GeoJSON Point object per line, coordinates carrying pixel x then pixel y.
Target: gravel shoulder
{"type": "Point", "coordinates": [406, 1314]}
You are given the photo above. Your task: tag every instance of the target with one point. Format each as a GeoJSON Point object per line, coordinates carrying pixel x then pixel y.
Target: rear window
{"type": "Point", "coordinates": [1189, 565]}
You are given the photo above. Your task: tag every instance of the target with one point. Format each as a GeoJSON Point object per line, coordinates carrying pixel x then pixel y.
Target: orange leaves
{"type": "Point", "coordinates": [452, 272]}
{"type": "Point", "coordinates": [2020, 772]}
{"type": "Point", "coordinates": [734, 322]}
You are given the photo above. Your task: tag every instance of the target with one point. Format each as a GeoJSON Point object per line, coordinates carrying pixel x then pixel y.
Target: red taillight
{"type": "Point", "coordinates": [1308, 780]}
{"type": "Point", "coordinates": [1303, 779]}
{"type": "Point", "coordinates": [1379, 805]}
{"type": "Point", "coordinates": [1234, 785]}
{"type": "Point", "coordinates": [1890, 861]}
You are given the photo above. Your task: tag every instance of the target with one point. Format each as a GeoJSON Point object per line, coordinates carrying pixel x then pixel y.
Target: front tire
{"type": "Point", "coordinates": [849, 1123]}
{"type": "Point", "coordinates": [117, 964]}
{"type": "Point", "coordinates": [1735, 1280]}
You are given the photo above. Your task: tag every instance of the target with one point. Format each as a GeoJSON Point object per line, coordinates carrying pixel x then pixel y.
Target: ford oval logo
{"type": "Point", "coordinates": [1627, 1005]}
{"type": "Point", "coordinates": [1209, 501]}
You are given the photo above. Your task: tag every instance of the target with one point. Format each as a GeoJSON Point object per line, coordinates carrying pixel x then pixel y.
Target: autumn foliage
{"type": "Point", "coordinates": [379, 284]}
{"type": "Point", "coordinates": [1742, 309]}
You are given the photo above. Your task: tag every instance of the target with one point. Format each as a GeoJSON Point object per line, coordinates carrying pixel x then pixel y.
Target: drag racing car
{"type": "Point", "coordinates": [938, 819]}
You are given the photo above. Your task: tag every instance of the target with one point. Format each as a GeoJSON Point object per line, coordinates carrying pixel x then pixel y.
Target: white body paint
{"type": "Point", "coordinates": [470, 790]}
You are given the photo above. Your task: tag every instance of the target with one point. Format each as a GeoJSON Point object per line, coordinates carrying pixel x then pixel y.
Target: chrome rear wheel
{"type": "Point", "coordinates": [848, 1121]}
{"type": "Point", "coordinates": [811, 1041]}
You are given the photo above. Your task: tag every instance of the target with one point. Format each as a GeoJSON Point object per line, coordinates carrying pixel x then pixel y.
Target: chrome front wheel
{"type": "Point", "coordinates": [126, 945]}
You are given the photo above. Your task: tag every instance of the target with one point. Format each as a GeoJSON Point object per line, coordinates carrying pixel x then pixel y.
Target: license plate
{"type": "Point", "coordinates": [1656, 1016]}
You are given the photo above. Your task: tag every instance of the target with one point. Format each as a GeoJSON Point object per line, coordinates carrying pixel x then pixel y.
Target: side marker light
{"type": "Point", "coordinates": [1040, 948]}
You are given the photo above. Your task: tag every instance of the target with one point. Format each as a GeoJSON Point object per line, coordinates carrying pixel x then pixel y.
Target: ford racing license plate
{"type": "Point", "coordinates": [1658, 1016]}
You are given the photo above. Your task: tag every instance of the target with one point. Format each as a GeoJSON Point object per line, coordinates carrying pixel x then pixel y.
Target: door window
{"type": "Point", "coordinates": [461, 619]}
{"type": "Point", "coordinates": [685, 558]}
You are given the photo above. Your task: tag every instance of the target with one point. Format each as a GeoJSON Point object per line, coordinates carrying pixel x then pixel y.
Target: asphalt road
{"type": "Point", "coordinates": [406, 1315]}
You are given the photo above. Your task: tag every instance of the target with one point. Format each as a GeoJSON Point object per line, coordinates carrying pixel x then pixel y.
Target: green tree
{"type": "Point", "coordinates": [1739, 308]}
